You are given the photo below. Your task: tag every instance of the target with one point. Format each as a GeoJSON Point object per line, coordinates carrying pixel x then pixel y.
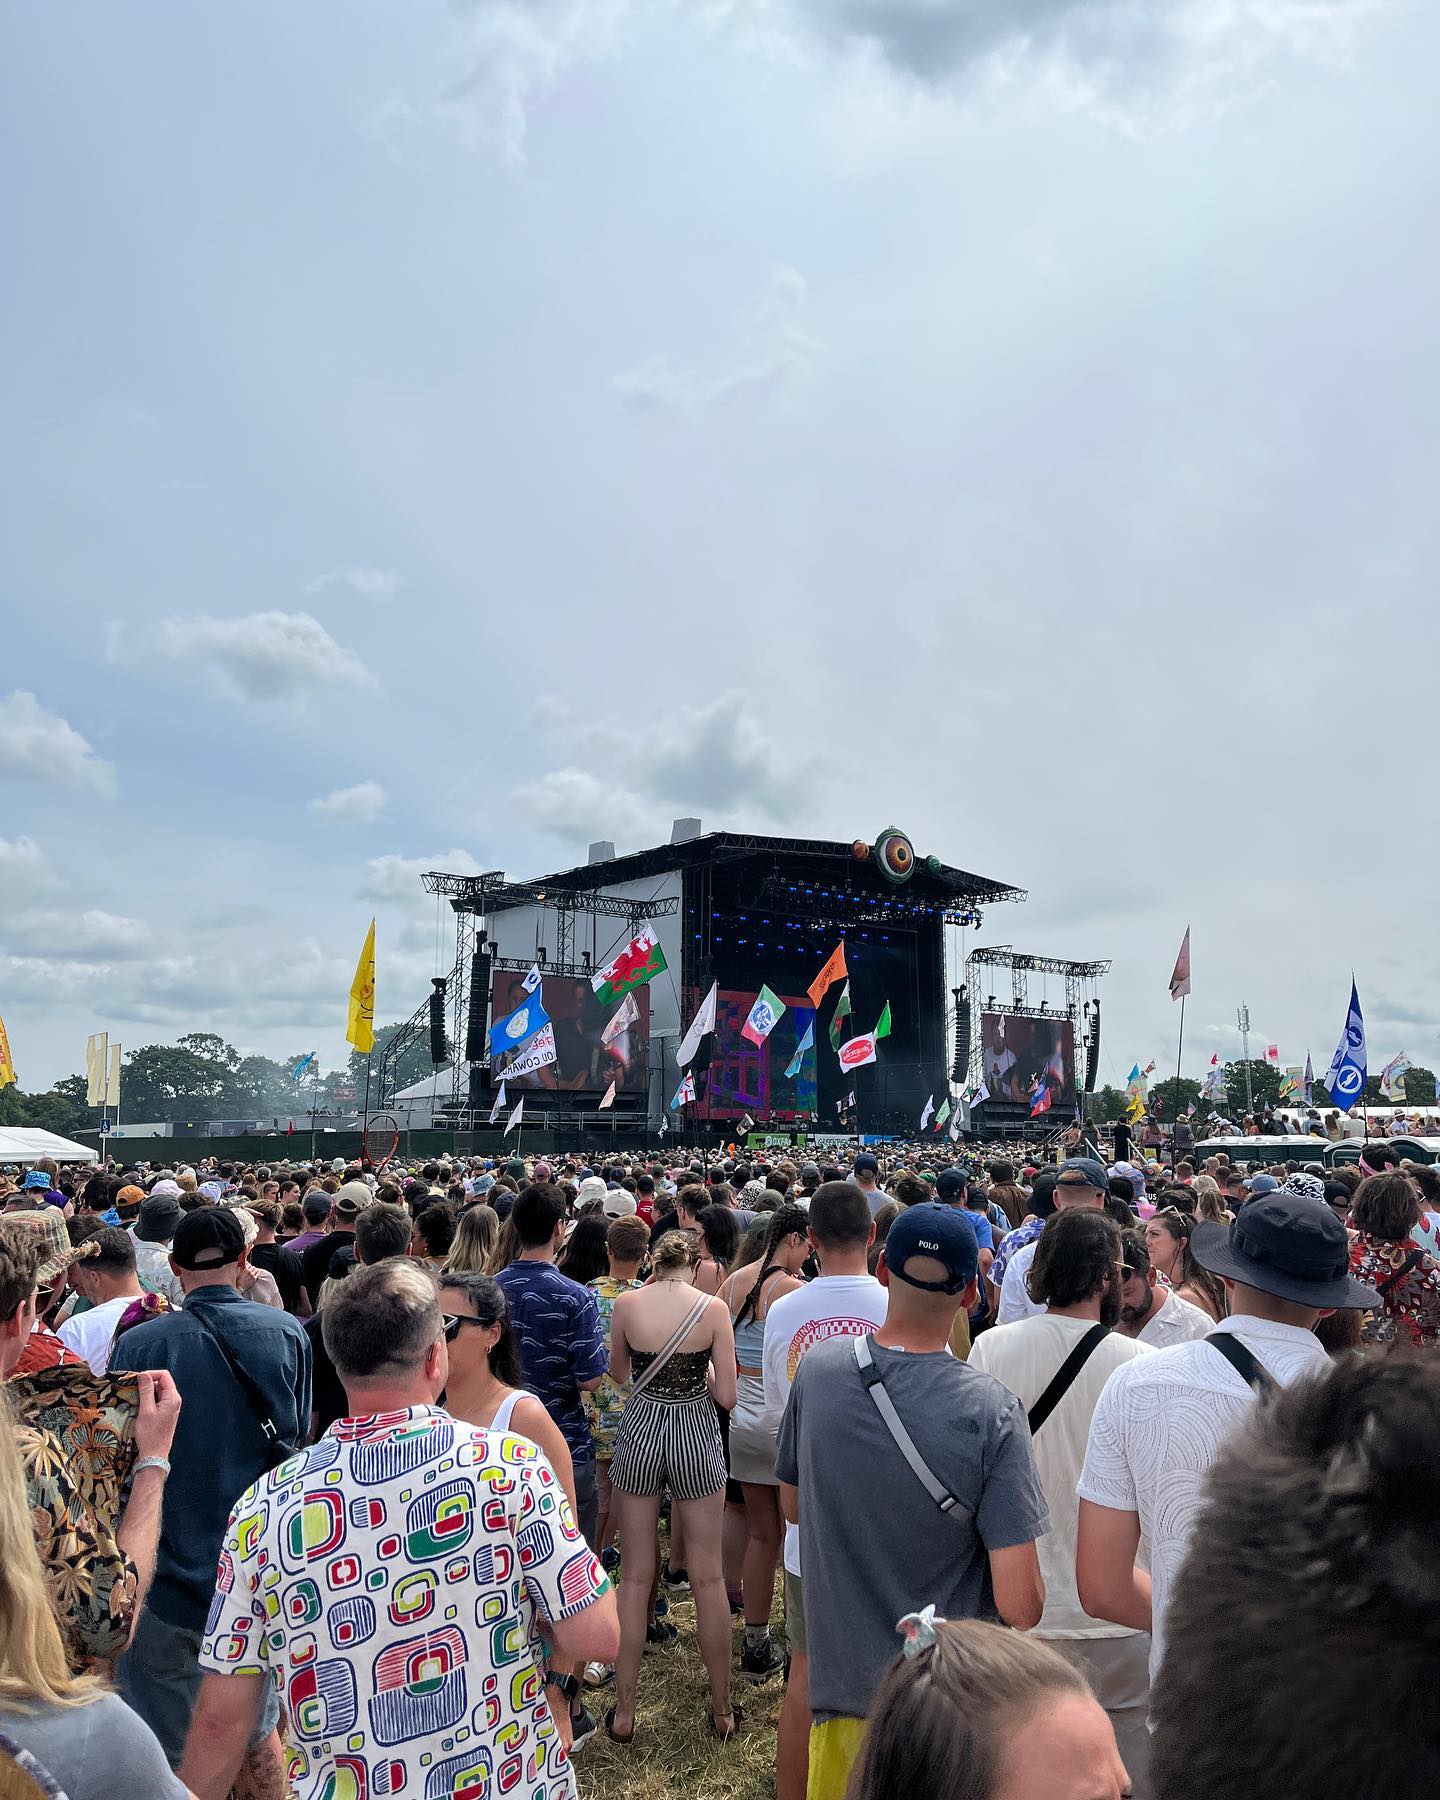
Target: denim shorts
{"type": "Point", "coordinates": [159, 1678]}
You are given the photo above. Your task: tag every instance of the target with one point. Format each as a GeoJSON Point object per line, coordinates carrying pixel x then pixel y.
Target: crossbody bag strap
{"type": "Point", "coordinates": [672, 1344]}
{"type": "Point", "coordinates": [1240, 1359]}
{"type": "Point", "coordinates": [1393, 1280]}
{"type": "Point", "coordinates": [1064, 1377]}
{"type": "Point", "coordinates": [895, 1425]}
{"type": "Point", "coordinates": [248, 1386]}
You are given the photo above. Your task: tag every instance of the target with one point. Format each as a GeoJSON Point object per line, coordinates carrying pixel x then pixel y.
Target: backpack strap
{"type": "Point", "coordinates": [1243, 1363]}
{"type": "Point", "coordinates": [895, 1425]}
{"type": "Point", "coordinates": [1064, 1376]}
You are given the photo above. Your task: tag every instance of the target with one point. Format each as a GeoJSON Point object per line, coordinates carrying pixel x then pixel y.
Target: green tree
{"type": "Point", "coordinates": [414, 1065]}
{"type": "Point", "coordinates": [1420, 1086]}
{"type": "Point", "coordinates": [1265, 1081]}
{"type": "Point", "coordinates": [1107, 1105]}
{"type": "Point", "coordinates": [1162, 1096]}
{"type": "Point", "coordinates": [63, 1109]}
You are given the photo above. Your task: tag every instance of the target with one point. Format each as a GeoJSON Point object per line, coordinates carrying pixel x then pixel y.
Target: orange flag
{"type": "Point", "coordinates": [833, 971]}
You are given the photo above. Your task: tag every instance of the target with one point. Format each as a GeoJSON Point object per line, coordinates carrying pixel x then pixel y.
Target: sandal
{"type": "Point", "coordinates": [737, 1719]}
{"type": "Point", "coordinates": [617, 1737]}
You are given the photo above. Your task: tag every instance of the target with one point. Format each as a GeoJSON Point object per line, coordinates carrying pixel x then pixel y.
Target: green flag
{"type": "Point", "coordinates": [882, 1027]}
{"type": "Point", "coordinates": [943, 1114]}
{"type": "Point", "coordinates": [838, 1018]}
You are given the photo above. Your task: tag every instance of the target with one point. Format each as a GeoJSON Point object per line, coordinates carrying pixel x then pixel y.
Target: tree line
{"type": "Point", "coordinates": [1109, 1103]}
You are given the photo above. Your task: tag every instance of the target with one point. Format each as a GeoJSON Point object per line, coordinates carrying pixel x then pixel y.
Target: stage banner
{"type": "Point", "coordinates": [539, 1053]}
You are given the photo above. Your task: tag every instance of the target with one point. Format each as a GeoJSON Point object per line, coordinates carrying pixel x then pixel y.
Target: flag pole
{"type": "Point", "coordinates": [1175, 1109]}
{"type": "Point", "coordinates": [365, 1121]}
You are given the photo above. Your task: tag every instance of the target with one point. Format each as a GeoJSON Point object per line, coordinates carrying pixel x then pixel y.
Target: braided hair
{"type": "Point", "coordinates": [784, 1222]}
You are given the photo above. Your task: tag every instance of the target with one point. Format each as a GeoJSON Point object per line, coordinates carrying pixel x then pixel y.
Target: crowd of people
{"type": "Point", "coordinates": [1023, 1478]}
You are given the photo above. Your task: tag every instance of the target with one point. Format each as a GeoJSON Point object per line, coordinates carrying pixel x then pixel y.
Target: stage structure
{"type": "Point", "coordinates": [731, 909]}
{"type": "Point", "coordinates": [1013, 1042]}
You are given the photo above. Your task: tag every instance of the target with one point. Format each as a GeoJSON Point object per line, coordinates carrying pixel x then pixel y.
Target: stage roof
{"type": "Point", "coordinates": [832, 860]}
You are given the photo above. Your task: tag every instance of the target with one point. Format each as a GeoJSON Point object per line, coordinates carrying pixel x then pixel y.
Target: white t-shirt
{"type": "Point", "coordinates": [89, 1334]}
{"type": "Point", "coordinates": [1015, 1301]}
{"type": "Point", "coordinates": [1026, 1357]}
{"type": "Point", "coordinates": [1175, 1321]}
{"type": "Point", "coordinates": [830, 1306]}
{"type": "Point", "coordinates": [1162, 1420]}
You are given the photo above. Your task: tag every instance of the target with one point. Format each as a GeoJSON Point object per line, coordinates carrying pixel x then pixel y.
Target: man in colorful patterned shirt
{"type": "Point", "coordinates": [391, 1581]}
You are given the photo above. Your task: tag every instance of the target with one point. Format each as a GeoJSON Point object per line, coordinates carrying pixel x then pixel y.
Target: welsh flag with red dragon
{"type": "Point", "coordinates": [640, 961]}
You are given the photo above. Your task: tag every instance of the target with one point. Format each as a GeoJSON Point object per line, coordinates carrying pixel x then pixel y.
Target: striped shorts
{"type": "Point", "coordinates": [671, 1444]}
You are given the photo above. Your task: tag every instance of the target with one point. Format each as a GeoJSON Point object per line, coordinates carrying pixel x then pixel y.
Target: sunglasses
{"type": "Point", "coordinates": [453, 1322]}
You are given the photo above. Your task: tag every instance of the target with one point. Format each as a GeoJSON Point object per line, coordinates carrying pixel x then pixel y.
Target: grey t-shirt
{"type": "Point", "coordinates": [94, 1752]}
{"type": "Point", "coordinates": [873, 1544]}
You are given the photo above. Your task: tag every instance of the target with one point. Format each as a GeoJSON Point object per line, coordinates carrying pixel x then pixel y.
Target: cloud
{"type": "Point", "coordinates": [260, 656]}
{"type": "Point", "coordinates": [74, 936]}
{"type": "Point", "coordinates": [393, 878]}
{"type": "Point", "coordinates": [775, 353]}
{"type": "Point", "coordinates": [36, 745]}
{"type": "Point", "coordinates": [25, 871]}
{"type": "Point", "coordinates": [373, 584]}
{"type": "Point", "coordinates": [358, 805]}
{"type": "Point", "coordinates": [716, 760]}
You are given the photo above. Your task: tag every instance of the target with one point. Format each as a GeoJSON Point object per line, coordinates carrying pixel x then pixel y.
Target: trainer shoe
{"type": "Point", "coordinates": [760, 1663]}
{"type": "Point", "coordinates": [677, 1580]}
{"type": "Point", "coordinates": [660, 1636]}
{"type": "Point", "coordinates": [582, 1729]}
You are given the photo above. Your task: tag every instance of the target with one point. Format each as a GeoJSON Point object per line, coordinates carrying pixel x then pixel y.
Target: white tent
{"type": "Point", "coordinates": [24, 1144]}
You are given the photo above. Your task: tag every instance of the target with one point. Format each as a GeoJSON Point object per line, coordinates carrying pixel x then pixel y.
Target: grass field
{"type": "Point", "coordinates": [674, 1757]}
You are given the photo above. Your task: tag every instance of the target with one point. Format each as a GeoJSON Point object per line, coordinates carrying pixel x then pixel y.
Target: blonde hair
{"type": "Point", "coordinates": [475, 1239]}
{"type": "Point", "coordinates": [676, 1250]}
{"type": "Point", "coordinates": [33, 1663]}
{"type": "Point", "coordinates": [507, 1247]}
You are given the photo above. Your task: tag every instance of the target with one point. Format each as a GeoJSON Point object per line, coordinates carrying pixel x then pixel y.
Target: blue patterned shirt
{"type": "Point", "coordinates": [1024, 1233]}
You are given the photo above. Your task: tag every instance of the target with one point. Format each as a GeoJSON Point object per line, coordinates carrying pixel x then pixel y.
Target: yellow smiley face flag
{"type": "Point", "coordinates": [360, 1027]}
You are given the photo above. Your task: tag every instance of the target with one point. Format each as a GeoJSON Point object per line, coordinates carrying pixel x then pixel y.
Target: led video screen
{"type": "Point", "coordinates": [584, 1062]}
{"type": "Point", "coordinates": [1015, 1053]}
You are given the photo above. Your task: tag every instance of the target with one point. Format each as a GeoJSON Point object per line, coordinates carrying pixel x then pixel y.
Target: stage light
{"type": "Point", "coordinates": [540, 955]}
{"type": "Point", "coordinates": [585, 956]}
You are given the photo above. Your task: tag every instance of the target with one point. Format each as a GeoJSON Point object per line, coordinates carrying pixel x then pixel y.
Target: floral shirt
{"type": "Point", "coordinates": [1409, 1310]}
{"type": "Point", "coordinates": [1024, 1233]}
{"type": "Point", "coordinates": [605, 1404]}
{"type": "Point", "coordinates": [389, 1580]}
{"type": "Point", "coordinates": [76, 1436]}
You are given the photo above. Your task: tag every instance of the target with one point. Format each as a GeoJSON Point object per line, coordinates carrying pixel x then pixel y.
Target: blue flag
{"type": "Point", "coordinates": [807, 1042]}
{"type": "Point", "coordinates": [518, 1027]}
{"type": "Point", "coordinates": [1346, 1076]}
{"type": "Point", "coordinates": [300, 1065]}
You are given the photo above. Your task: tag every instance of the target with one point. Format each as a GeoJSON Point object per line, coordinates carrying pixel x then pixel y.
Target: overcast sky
{"type": "Point", "coordinates": [440, 435]}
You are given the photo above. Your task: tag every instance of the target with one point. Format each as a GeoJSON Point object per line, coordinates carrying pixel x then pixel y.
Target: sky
{"type": "Point", "coordinates": [441, 435]}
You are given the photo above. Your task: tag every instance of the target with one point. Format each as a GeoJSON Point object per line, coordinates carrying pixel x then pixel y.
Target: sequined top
{"type": "Point", "coordinates": [682, 1378]}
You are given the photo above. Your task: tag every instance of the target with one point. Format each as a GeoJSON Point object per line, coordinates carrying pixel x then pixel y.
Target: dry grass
{"type": "Point", "coordinates": [674, 1757]}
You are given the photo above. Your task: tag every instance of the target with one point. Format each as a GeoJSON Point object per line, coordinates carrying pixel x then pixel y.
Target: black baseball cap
{"type": "Point", "coordinates": [945, 1235]}
{"type": "Point", "coordinates": [950, 1184]}
{"type": "Point", "coordinates": [210, 1238]}
{"type": "Point", "coordinates": [866, 1164]}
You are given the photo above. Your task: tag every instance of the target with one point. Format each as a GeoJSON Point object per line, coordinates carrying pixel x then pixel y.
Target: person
{"type": "Point", "coordinates": [1167, 1237]}
{"type": "Point", "coordinates": [1122, 1140]}
{"type": "Point", "coordinates": [1039, 1205]}
{"type": "Point", "coordinates": [1310, 1558]}
{"type": "Point", "coordinates": [1152, 1314]}
{"type": "Point", "coordinates": [222, 1444]}
{"type": "Point", "coordinates": [843, 1300]}
{"type": "Point", "coordinates": [1077, 1276]}
{"type": "Point", "coordinates": [276, 1260]}
{"type": "Point", "coordinates": [583, 1257]}
{"type": "Point", "coordinates": [1387, 1254]}
{"type": "Point", "coordinates": [1163, 1419]}
{"type": "Point", "coordinates": [749, 1294]}
{"type": "Point", "coordinates": [315, 1209]}
{"type": "Point", "coordinates": [866, 1172]}
{"type": "Point", "coordinates": [435, 1527]}
{"type": "Point", "coordinates": [557, 1327]}
{"type": "Point", "coordinates": [55, 1254]}
{"type": "Point", "coordinates": [977, 1558]}
{"type": "Point", "coordinates": [475, 1236]}
{"type": "Point", "coordinates": [971, 1711]}
{"type": "Point", "coordinates": [338, 1234]}
{"type": "Point", "coordinates": [107, 1279]}
{"type": "Point", "coordinates": [1081, 1182]}
{"type": "Point", "coordinates": [719, 1246]}
{"type": "Point", "coordinates": [627, 1240]}
{"type": "Point", "coordinates": [676, 1349]}
{"type": "Point", "coordinates": [152, 1231]}
{"type": "Point", "coordinates": [380, 1231]}
{"type": "Point", "coordinates": [85, 1738]}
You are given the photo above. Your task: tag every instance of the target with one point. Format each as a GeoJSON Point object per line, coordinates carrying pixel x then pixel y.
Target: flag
{"type": "Point", "coordinates": [1292, 1082]}
{"type": "Point", "coordinates": [850, 1099]}
{"type": "Point", "coordinates": [533, 978]}
{"type": "Point", "coordinates": [640, 961]}
{"type": "Point", "coordinates": [517, 1117]}
{"type": "Point", "coordinates": [979, 1094]}
{"type": "Point", "coordinates": [744, 1123]}
{"type": "Point", "coordinates": [1392, 1077]}
{"type": "Point", "coordinates": [625, 1015]}
{"type": "Point", "coordinates": [1039, 1100]}
{"type": "Point", "coordinates": [1135, 1109]}
{"type": "Point", "coordinates": [112, 1083]}
{"type": "Point", "coordinates": [663, 1126]}
{"type": "Point", "coordinates": [499, 1105]}
{"type": "Point", "coordinates": [807, 1042]}
{"type": "Point", "coordinates": [7, 1062]}
{"type": "Point", "coordinates": [539, 1053]}
{"type": "Point", "coordinates": [704, 1021]}
{"type": "Point", "coordinates": [1214, 1078]}
{"type": "Point", "coordinates": [95, 1068]}
{"type": "Point", "coordinates": [882, 1024]}
{"type": "Point", "coordinates": [300, 1065]}
{"type": "Point", "coordinates": [1190, 1110]}
{"type": "Point", "coordinates": [609, 1099]}
{"type": "Point", "coordinates": [1272, 1054]}
{"type": "Point", "coordinates": [833, 971]}
{"type": "Point", "coordinates": [944, 1112]}
{"type": "Point", "coordinates": [518, 1027]}
{"type": "Point", "coordinates": [1309, 1081]}
{"type": "Point", "coordinates": [764, 1016]}
{"type": "Point", "coordinates": [360, 1026]}
{"type": "Point", "coordinates": [1135, 1086]}
{"type": "Point", "coordinates": [1180, 976]}
{"type": "Point", "coordinates": [954, 1131]}
{"type": "Point", "coordinates": [683, 1094]}
{"type": "Point", "coordinates": [928, 1112]}
{"type": "Point", "coordinates": [1346, 1077]}
{"type": "Point", "coordinates": [1149, 1068]}
{"type": "Point", "coordinates": [838, 1018]}
{"type": "Point", "coordinates": [858, 1051]}
{"type": "Point", "coordinates": [290, 1129]}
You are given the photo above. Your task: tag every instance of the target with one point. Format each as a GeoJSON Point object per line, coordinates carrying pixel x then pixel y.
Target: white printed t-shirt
{"type": "Point", "coordinates": [1161, 1422]}
{"type": "Point", "coordinates": [831, 1306]}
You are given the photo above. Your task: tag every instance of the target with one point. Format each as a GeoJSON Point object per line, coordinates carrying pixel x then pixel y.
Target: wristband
{"type": "Point", "coordinates": [153, 1462]}
{"type": "Point", "coordinates": [567, 1684]}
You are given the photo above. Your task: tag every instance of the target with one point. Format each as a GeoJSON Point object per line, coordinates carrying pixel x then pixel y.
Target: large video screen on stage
{"type": "Point", "coordinates": [751, 1078]}
{"type": "Point", "coordinates": [1015, 1053]}
{"type": "Point", "coordinates": [584, 1062]}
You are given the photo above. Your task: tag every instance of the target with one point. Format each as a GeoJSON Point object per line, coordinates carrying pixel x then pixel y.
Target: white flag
{"type": "Point", "coordinates": [531, 983]}
{"type": "Point", "coordinates": [516, 1117]}
{"type": "Point", "coordinates": [609, 1099]}
{"type": "Point", "coordinates": [663, 1127]}
{"type": "Point", "coordinates": [499, 1105]}
{"type": "Point", "coordinates": [955, 1127]}
{"type": "Point", "coordinates": [95, 1069]}
{"type": "Point", "coordinates": [981, 1093]}
{"type": "Point", "coordinates": [928, 1113]}
{"type": "Point", "coordinates": [684, 1094]}
{"type": "Point", "coordinates": [539, 1052]}
{"type": "Point", "coordinates": [744, 1123]}
{"type": "Point", "coordinates": [625, 1015]}
{"type": "Point", "coordinates": [703, 1021]}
